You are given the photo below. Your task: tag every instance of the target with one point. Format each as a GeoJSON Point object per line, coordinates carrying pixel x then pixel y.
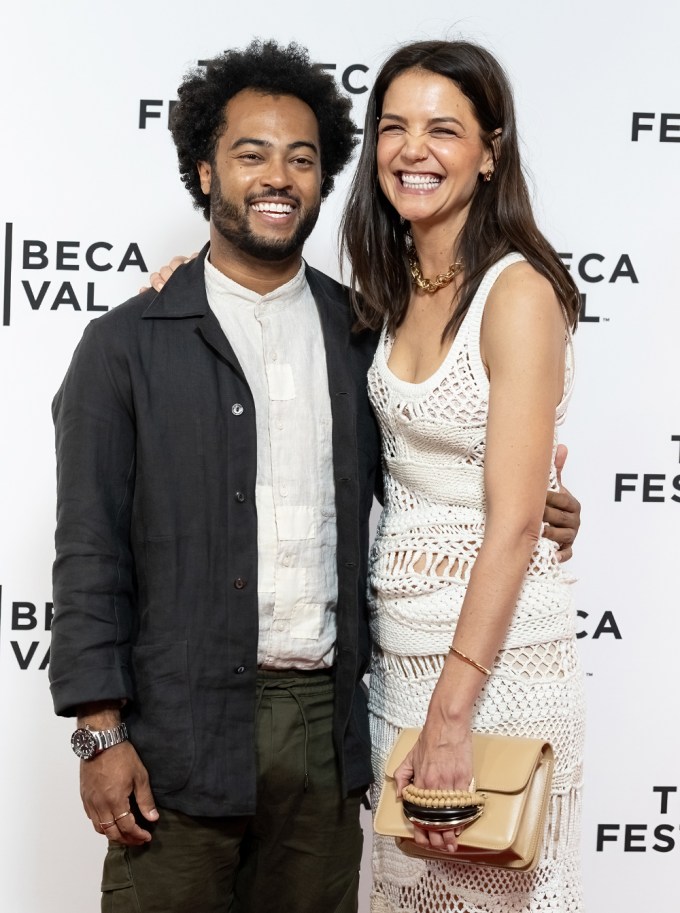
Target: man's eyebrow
{"type": "Point", "coordinates": [304, 144]}
{"type": "Point", "coordinates": [249, 141]}
{"type": "Point", "coordinates": [252, 141]}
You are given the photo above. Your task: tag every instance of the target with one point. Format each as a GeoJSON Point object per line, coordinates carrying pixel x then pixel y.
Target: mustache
{"type": "Point", "coordinates": [273, 194]}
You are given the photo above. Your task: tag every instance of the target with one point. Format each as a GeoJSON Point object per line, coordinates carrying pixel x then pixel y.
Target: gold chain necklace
{"type": "Point", "coordinates": [432, 285]}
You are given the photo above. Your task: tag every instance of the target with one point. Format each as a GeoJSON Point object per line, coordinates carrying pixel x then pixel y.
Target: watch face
{"type": "Point", "coordinates": [83, 743]}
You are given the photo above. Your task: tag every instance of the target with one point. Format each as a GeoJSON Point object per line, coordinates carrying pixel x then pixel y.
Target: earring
{"type": "Point", "coordinates": [488, 176]}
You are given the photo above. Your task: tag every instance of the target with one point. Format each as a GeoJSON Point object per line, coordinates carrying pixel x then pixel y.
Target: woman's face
{"type": "Point", "coordinates": [430, 152]}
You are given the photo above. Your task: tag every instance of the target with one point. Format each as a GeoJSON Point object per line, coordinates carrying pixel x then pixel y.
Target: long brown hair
{"type": "Point", "coordinates": [500, 219]}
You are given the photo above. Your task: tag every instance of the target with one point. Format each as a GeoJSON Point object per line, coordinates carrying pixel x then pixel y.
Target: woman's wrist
{"type": "Point", "coordinates": [450, 713]}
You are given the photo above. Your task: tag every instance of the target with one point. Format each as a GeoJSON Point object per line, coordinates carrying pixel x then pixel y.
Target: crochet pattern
{"type": "Point", "coordinates": [429, 535]}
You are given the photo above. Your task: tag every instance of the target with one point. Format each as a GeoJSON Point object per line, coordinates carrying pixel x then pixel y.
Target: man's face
{"type": "Point", "coordinates": [265, 181]}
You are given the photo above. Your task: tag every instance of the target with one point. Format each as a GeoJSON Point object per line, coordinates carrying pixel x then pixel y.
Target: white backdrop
{"type": "Point", "coordinates": [91, 198]}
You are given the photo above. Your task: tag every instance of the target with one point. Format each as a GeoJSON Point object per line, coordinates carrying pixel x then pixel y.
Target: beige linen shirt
{"type": "Point", "coordinates": [278, 341]}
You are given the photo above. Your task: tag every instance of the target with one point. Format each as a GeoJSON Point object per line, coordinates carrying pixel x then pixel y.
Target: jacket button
{"type": "Point", "coordinates": [237, 409]}
{"type": "Point", "coordinates": [239, 496]}
{"type": "Point", "coordinates": [240, 583]}
{"type": "Point", "coordinates": [239, 670]}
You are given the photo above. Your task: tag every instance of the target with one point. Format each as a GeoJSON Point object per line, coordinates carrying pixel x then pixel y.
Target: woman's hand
{"type": "Point", "coordinates": [159, 278]}
{"type": "Point", "coordinates": [440, 759]}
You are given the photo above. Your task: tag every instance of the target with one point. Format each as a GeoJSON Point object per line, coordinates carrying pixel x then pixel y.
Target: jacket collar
{"type": "Point", "coordinates": [184, 296]}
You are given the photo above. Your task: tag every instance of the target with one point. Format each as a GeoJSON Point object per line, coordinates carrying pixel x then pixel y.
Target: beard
{"type": "Point", "coordinates": [231, 221]}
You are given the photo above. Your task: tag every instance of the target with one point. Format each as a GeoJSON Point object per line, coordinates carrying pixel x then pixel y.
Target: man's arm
{"type": "Point", "coordinates": [562, 512]}
{"type": "Point", "coordinates": [94, 574]}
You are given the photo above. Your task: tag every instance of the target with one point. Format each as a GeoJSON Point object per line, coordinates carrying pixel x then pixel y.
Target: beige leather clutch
{"type": "Point", "coordinates": [514, 773]}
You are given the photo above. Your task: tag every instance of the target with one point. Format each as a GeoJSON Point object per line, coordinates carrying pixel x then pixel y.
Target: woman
{"type": "Point", "coordinates": [472, 619]}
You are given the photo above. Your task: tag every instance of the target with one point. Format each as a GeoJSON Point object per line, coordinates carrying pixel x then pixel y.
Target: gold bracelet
{"type": "Point", "coordinates": [466, 659]}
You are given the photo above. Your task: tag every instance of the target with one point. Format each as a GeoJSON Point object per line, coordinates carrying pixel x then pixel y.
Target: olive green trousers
{"type": "Point", "coordinates": [299, 853]}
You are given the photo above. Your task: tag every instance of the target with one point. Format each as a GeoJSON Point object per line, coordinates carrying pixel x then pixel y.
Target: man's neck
{"type": "Point", "coordinates": [260, 276]}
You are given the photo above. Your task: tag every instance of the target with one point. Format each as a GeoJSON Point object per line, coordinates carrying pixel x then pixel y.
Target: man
{"type": "Point", "coordinates": [217, 459]}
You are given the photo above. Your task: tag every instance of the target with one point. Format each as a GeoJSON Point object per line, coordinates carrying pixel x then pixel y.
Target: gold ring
{"type": "Point", "coordinates": [122, 815]}
{"type": "Point", "coordinates": [104, 824]}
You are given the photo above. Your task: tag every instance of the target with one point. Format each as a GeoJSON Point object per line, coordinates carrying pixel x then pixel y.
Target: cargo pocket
{"type": "Point", "coordinates": [118, 890]}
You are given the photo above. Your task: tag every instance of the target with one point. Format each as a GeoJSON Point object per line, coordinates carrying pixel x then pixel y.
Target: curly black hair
{"type": "Point", "coordinates": [198, 118]}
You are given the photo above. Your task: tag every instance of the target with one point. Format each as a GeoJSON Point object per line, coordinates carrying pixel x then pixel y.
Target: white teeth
{"type": "Point", "coordinates": [420, 180]}
{"type": "Point", "coordinates": [273, 207]}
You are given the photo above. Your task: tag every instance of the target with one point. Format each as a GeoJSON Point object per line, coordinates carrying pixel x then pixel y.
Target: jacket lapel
{"type": "Point", "coordinates": [184, 297]}
{"type": "Point", "coordinates": [336, 326]}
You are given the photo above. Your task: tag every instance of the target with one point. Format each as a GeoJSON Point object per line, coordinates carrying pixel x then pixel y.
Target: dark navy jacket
{"type": "Point", "coordinates": [155, 579]}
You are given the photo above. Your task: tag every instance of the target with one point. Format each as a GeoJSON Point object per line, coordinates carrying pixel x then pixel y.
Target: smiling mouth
{"type": "Point", "coordinates": [419, 181]}
{"type": "Point", "coordinates": [275, 210]}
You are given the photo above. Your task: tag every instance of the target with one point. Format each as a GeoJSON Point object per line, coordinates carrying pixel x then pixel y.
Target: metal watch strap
{"type": "Point", "coordinates": [107, 738]}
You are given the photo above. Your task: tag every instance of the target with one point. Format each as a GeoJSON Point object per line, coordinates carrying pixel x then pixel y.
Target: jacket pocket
{"type": "Point", "coordinates": [161, 722]}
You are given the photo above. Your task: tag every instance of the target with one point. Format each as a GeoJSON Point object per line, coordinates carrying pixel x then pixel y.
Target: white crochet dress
{"type": "Point", "coordinates": [433, 450]}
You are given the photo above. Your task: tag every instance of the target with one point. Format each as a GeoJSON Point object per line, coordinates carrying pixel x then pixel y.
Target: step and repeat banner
{"type": "Point", "coordinates": [91, 202]}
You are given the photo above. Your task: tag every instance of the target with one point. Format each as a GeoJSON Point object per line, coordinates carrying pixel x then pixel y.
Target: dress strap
{"type": "Point", "coordinates": [472, 324]}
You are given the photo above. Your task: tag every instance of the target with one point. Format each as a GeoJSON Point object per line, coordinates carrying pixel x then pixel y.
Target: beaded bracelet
{"type": "Point", "coordinates": [441, 798]}
{"type": "Point", "coordinates": [471, 662]}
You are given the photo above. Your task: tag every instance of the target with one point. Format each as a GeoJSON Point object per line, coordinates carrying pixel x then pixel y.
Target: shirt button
{"type": "Point", "coordinates": [237, 409]}
{"type": "Point", "coordinates": [240, 583]}
{"type": "Point", "coordinates": [239, 496]}
{"type": "Point", "coordinates": [274, 356]}
{"type": "Point", "coordinates": [279, 425]}
{"type": "Point", "coordinates": [283, 490]}
{"type": "Point", "coordinates": [286, 561]}
{"type": "Point", "coordinates": [239, 670]}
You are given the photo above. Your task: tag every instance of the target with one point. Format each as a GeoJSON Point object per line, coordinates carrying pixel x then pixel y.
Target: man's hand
{"type": "Point", "coordinates": [106, 784]}
{"type": "Point", "coordinates": [562, 512]}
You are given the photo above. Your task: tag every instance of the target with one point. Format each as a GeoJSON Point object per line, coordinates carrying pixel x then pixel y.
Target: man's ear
{"type": "Point", "coordinates": [205, 176]}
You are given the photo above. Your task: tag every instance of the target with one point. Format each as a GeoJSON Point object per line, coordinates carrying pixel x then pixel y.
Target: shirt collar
{"type": "Point", "coordinates": [218, 284]}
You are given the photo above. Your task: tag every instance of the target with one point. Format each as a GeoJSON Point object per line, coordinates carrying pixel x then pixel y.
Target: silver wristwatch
{"type": "Point", "coordinates": [87, 743]}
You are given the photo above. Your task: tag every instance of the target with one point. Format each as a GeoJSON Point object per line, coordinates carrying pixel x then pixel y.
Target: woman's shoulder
{"type": "Point", "coordinates": [522, 284]}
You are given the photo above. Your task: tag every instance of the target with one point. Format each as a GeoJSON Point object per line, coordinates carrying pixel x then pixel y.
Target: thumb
{"type": "Point", "coordinates": [560, 460]}
{"type": "Point", "coordinates": [403, 775]}
{"type": "Point", "coordinates": [144, 798]}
